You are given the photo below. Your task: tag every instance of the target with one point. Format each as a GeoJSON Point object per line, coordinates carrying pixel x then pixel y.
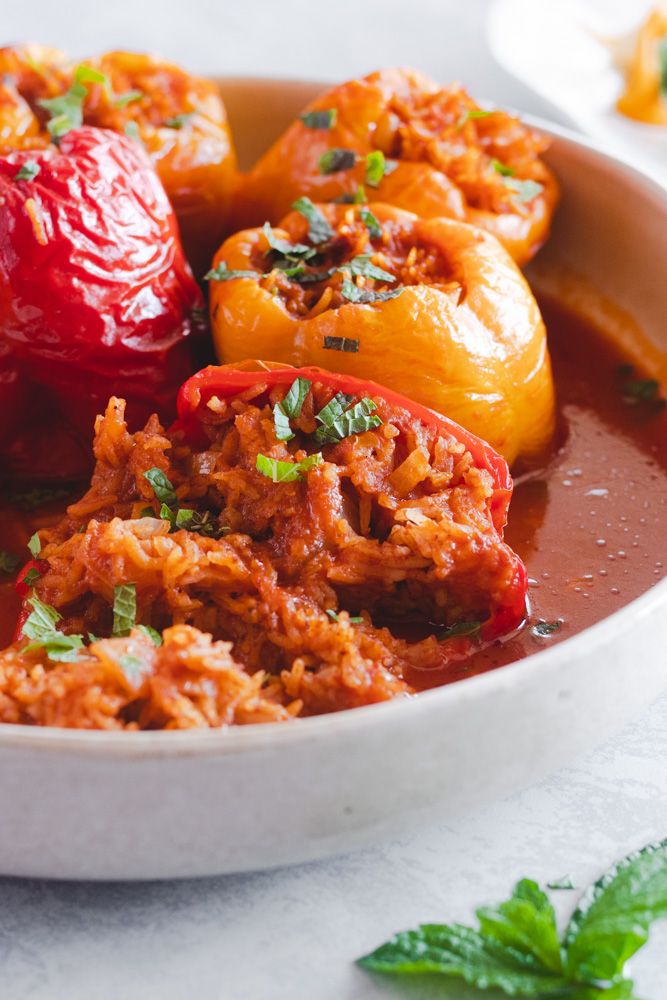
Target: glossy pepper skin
{"type": "Point", "coordinates": [442, 162]}
{"type": "Point", "coordinates": [227, 381]}
{"type": "Point", "coordinates": [179, 118]}
{"type": "Point", "coordinates": [95, 296]}
{"type": "Point", "coordinates": [464, 336]}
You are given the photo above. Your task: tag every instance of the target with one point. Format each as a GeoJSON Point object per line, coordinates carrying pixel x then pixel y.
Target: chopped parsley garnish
{"type": "Point", "coordinates": [9, 563]}
{"type": "Point", "coordinates": [124, 609]}
{"type": "Point", "coordinates": [471, 114]}
{"type": "Point", "coordinates": [31, 577]}
{"type": "Point", "coordinates": [286, 472]}
{"type": "Point", "coordinates": [40, 626]}
{"type": "Point", "coordinates": [129, 97]}
{"type": "Point", "coordinates": [295, 397]}
{"type": "Point", "coordinates": [66, 110]}
{"type": "Point", "coordinates": [319, 230]}
{"type": "Point", "coordinates": [459, 630]}
{"type": "Point", "coordinates": [319, 119]}
{"type": "Point", "coordinates": [502, 169]}
{"type": "Point", "coordinates": [178, 121]}
{"type": "Point", "coordinates": [516, 946]}
{"type": "Point", "coordinates": [524, 190]}
{"type": "Point", "coordinates": [334, 160]}
{"type": "Point", "coordinates": [361, 266]}
{"type": "Point", "coordinates": [339, 420]}
{"type": "Point", "coordinates": [151, 633]}
{"type": "Point", "coordinates": [372, 225]}
{"type": "Point", "coordinates": [222, 273]}
{"type": "Point", "coordinates": [353, 293]}
{"type": "Point", "coordinates": [35, 545]}
{"type": "Point", "coordinates": [335, 618]}
{"type": "Point", "coordinates": [28, 171]}
{"type": "Point", "coordinates": [543, 629]}
{"type": "Point", "coordinates": [377, 167]}
{"type": "Point", "coordinates": [162, 487]}
{"type": "Point", "coordinates": [345, 344]}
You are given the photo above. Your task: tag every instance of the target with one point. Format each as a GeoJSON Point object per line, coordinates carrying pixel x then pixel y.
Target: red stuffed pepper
{"type": "Point", "coordinates": [301, 542]}
{"type": "Point", "coordinates": [95, 296]}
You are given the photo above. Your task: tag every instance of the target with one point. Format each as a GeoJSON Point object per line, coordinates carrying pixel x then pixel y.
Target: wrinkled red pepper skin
{"type": "Point", "coordinates": [225, 381]}
{"type": "Point", "coordinates": [96, 298]}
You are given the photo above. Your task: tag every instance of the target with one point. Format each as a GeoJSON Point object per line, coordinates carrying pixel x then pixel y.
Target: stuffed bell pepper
{"type": "Point", "coordinates": [299, 542]}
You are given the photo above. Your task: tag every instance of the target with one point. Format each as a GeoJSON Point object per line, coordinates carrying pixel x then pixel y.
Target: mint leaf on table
{"type": "Point", "coordinates": [517, 948]}
{"type": "Point", "coordinates": [613, 917]}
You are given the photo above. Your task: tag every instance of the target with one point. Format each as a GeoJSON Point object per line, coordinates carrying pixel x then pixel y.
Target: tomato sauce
{"type": "Point", "coordinates": [589, 523]}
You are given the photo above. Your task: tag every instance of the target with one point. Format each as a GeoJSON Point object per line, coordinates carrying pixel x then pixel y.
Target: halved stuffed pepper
{"type": "Point", "coordinates": [299, 542]}
{"type": "Point", "coordinates": [415, 144]}
{"type": "Point", "coordinates": [179, 118]}
{"type": "Point", "coordinates": [431, 307]}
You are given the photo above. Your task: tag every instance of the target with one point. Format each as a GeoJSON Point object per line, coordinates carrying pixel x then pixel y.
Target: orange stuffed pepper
{"type": "Point", "coordinates": [433, 308]}
{"type": "Point", "coordinates": [179, 119]}
{"type": "Point", "coordinates": [414, 144]}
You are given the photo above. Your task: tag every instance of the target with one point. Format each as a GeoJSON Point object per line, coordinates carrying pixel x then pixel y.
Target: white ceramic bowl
{"type": "Point", "coordinates": [164, 804]}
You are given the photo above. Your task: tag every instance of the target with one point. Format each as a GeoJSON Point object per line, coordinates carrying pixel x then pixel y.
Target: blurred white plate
{"type": "Point", "coordinates": [559, 51]}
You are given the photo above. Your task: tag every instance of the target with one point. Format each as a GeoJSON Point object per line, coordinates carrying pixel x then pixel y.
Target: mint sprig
{"type": "Point", "coordinates": [516, 947]}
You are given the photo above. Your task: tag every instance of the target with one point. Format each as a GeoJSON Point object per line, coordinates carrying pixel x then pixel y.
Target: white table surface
{"type": "Point", "coordinates": [293, 934]}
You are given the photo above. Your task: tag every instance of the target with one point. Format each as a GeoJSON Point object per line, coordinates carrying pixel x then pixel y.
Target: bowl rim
{"type": "Point", "coordinates": [260, 736]}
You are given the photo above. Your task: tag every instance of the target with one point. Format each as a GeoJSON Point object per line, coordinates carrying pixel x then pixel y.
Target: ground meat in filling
{"type": "Point", "coordinates": [277, 597]}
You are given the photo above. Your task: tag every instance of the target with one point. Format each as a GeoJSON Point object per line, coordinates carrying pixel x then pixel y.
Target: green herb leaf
{"type": "Point", "coordinates": [319, 119]}
{"type": "Point", "coordinates": [543, 629]}
{"type": "Point", "coordinates": [162, 487]}
{"type": "Point", "coordinates": [124, 609]}
{"type": "Point", "coordinates": [28, 171]}
{"type": "Point", "coordinates": [357, 197]}
{"type": "Point", "coordinates": [334, 160]}
{"type": "Point", "coordinates": [613, 918]}
{"type": "Point", "coordinates": [455, 950]}
{"type": "Point", "coordinates": [295, 397]}
{"type": "Point", "coordinates": [151, 633]}
{"type": "Point", "coordinates": [319, 230]}
{"type": "Point", "coordinates": [293, 252]}
{"type": "Point", "coordinates": [340, 422]}
{"type": "Point", "coordinates": [281, 424]}
{"type": "Point", "coordinates": [471, 114]}
{"type": "Point", "coordinates": [662, 52]}
{"type": "Point", "coordinates": [353, 293]}
{"type": "Point", "coordinates": [66, 110]}
{"type": "Point", "coordinates": [131, 130]}
{"type": "Point", "coordinates": [132, 667]}
{"type": "Point", "coordinates": [40, 626]}
{"type": "Point", "coordinates": [643, 389]}
{"type": "Point", "coordinates": [562, 883]}
{"type": "Point", "coordinates": [31, 577]}
{"type": "Point", "coordinates": [9, 563]}
{"type": "Point", "coordinates": [526, 923]}
{"type": "Point", "coordinates": [286, 472]}
{"type": "Point", "coordinates": [335, 618]}
{"type": "Point", "coordinates": [201, 523]}
{"type": "Point", "coordinates": [378, 167]}
{"type": "Point", "coordinates": [372, 225]}
{"type": "Point", "coordinates": [345, 344]}
{"type": "Point", "coordinates": [524, 190]}
{"type": "Point", "coordinates": [129, 97]}
{"type": "Point", "coordinates": [501, 169]}
{"type": "Point", "coordinates": [361, 266]}
{"type": "Point", "coordinates": [222, 273]}
{"type": "Point", "coordinates": [35, 545]}
{"type": "Point", "coordinates": [459, 629]}
{"type": "Point", "coordinates": [178, 121]}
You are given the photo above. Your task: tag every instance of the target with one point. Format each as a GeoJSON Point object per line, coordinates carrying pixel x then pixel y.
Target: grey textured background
{"type": "Point", "coordinates": [293, 934]}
